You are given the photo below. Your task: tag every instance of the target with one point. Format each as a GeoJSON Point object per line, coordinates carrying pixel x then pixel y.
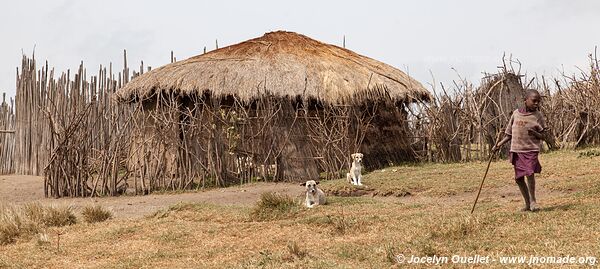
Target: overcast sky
{"type": "Point", "coordinates": [415, 36]}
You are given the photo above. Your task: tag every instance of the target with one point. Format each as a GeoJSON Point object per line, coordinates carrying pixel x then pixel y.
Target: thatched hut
{"type": "Point", "coordinates": [282, 105]}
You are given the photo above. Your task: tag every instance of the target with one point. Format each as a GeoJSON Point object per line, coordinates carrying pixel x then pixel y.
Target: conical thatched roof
{"type": "Point", "coordinates": [283, 64]}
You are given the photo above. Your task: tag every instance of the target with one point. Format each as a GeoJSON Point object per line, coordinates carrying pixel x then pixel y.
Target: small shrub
{"type": "Point", "coordinates": [34, 216]}
{"type": "Point", "coordinates": [589, 153]}
{"type": "Point", "coordinates": [93, 214]}
{"type": "Point", "coordinates": [266, 258]}
{"type": "Point", "coordinates": [34, 212]}
{"type": "Point", "coordinates": [274, 206]}
{"type": "Point", "coordinates": [341, 225]}
{"type": "Point", "coordinates": [8, 233]}
{"type": "Point", "coordinates": [10, 225]}
{"type": "Point", "coordinates": [390, 253]}
{"type": "Point", "coordinates": [59, 216]}
{"type": "Point", "coordinates": [296, 251]}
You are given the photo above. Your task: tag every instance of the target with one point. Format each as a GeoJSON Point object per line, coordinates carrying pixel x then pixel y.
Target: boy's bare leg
{"type": "Point", "coordinates": [531, 187]}
{"type": "Point", "coordinates": [524, 191]}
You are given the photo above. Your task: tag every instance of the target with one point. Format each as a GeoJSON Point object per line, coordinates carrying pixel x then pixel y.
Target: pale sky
{"type": "Point", "coordinates": [415, 36]}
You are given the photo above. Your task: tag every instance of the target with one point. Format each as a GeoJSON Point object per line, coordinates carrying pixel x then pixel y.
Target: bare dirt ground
{"type": "Point", "coordinates": [20, 189]}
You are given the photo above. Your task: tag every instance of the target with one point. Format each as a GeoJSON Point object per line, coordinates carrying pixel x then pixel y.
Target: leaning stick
{"type": "Point", "coordinates": [486, 172]}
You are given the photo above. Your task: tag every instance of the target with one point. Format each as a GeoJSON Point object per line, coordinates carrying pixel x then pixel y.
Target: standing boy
{"type": "Point", "coordinates": [524, 130]}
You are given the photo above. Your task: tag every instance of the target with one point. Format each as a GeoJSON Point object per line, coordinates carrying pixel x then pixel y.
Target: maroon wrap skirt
{"type": "Point", "coordinates": [525, 163]}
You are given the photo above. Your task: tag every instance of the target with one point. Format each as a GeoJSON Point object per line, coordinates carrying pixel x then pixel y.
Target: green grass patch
{"type": "Point", "coordinates": [273, 206]}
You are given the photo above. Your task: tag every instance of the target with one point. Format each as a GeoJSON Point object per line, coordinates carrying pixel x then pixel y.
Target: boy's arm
{"type": "Point", "coordinates": [507, 134]}
{"type": "Point", "coordinates": [548, 137]}
{"type": "Point", "coordinates": [505, 139]}
{"type": "Point", "coordinates": [536, 134]}
{"type": "Point", "coordinates": [543, 133]}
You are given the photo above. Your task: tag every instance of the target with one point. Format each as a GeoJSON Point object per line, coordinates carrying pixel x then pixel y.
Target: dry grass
{"type": "Point", "coordinates": [31, 219]}
{"type": "Point", "coordinates": [295, 251]}
{"type": "Point", "coordinates": [10, 225]}
{"type": "Point", "coordinates": [376, 230]}
{"type": "Point", "coordinates": [97, 213]}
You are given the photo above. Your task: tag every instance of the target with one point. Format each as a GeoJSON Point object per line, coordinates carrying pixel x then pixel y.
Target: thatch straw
{"type": "Point", "coordinates": [284, 64]}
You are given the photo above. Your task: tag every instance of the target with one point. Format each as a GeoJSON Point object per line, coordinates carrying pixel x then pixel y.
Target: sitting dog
{"type": "Point", "coordinates": [314, 196]}
{"type": "Point", "coordinates": [355, 176]}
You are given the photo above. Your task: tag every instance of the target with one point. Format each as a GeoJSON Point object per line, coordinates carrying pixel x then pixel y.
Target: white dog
{"type": "Point", "coordinates": [314, 195]}
{"type": "Point", "coordinates": [355, 176]}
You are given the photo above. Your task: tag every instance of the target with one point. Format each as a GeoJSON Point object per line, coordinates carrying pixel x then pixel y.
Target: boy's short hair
{"type": "Point", "coordinates": [529, 92]}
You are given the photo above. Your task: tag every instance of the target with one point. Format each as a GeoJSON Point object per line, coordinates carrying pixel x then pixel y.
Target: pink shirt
{"type": "Point", "coordinates": [520, 122]}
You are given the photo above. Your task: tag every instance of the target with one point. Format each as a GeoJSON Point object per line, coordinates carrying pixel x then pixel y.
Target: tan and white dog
{"type": "Point", "coordinates": [314, 195]}
{"type": "Point", "coordinates": [355, 177]}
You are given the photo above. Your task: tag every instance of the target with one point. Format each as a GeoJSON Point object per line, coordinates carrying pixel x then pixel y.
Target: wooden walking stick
{"type": "Point", "coordinates": [486, 171]}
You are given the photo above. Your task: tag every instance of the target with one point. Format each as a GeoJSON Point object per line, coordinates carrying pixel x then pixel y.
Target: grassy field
{"type": "Point", "coordinates": [420, 210]}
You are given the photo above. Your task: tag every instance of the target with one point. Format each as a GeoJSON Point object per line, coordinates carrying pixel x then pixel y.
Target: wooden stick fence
{"type": "Point", "coordinates": [65, 127]}
{"type": "Point", "coordinates": [7, 140]}
{"type": "Point", "coordinates": [69, 128]}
